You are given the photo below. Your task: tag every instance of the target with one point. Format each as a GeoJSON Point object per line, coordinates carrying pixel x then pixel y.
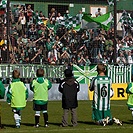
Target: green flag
{"type": "Point", "coordinates": [3, 4]}
{"type": "Point", "coordinates": [125, 18]}
{"type": "Point", "coordinates": [71, 22]}
{"type": "Point", "coordinates": [111, 2]}
{"type": "Point", "coordinates": [103, 21]}
{"type": "Point", "coordinates": [84, 74]}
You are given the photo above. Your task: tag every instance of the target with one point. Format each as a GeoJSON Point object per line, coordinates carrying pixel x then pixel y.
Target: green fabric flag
{"type": "Point", "coordinates": [103, 21]}
{"type": "Point", "coordinates": [84, 74]}
{"type": "Point", "coordinates": [3, 4]}
{"type": "Point", "coordinates": [71, 22]}
{"type": "Point", "coordinates": [126, 19]}
{"type": "Point", "coordinates": [111, 2]}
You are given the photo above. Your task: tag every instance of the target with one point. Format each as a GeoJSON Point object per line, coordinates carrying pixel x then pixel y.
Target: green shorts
{"type": "Point", "coordinates": [98, 115]}
{"type": "Point", "coordinates": [130, 107]}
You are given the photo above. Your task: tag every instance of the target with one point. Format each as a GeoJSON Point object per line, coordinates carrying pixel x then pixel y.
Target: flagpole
{"type": "Point", "coordinates": [8, 27]}
{"type": "Point", "coordinates": [115, 30]}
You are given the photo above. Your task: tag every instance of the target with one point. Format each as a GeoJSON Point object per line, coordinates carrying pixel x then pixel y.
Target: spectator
{"type": "Point", "coordinates": [52, 59]}
{"type": "Point", "coordinates": [98, 13]}
{"type": "Point", "coordinates": [129, 57]}
{"type": "Point", "coordinates": [37, 32]}
{"type": "Point", "coordinates": [22, 21]}
{"type": "Point", "coordinates": [49, 46]}
{"type": "Point", "coordinates": [59, 17]}
{"type": "Point", "coordinates": [121, 60]}
{"type": "Point", "coordinates": [81, 61]}
{"type": "Point", "coordinates": [32, 33]}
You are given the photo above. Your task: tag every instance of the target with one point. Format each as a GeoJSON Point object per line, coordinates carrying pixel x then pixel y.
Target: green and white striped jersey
{"type": "Point", "coordinates": [102, 92]}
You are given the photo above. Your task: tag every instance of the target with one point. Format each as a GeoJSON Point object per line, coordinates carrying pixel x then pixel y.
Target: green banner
{"type": "Point", "coordinates": [84, 74]}
{"type": "Point", "coordinates": [118, 74]}
{"type": "Point", "coordinates": [29, 71]}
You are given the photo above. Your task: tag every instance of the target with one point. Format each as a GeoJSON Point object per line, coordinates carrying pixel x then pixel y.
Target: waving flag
{"type": "Point", "coordinates": [3, 4]}
{"type": "Point", "coordinates": [103, 21]}
{"type": "Point", "coordinates": [110, 2]}
{"type": "Point", "coordinates": [125, 18]}
{"type": "Point", "coordinates": [70, 22]}
{"type": "Point", "coordinates": [84, 74]}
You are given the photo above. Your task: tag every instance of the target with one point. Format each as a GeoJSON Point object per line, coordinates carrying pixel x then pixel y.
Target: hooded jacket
{"type": "Point", "coordinates": [69, 88]}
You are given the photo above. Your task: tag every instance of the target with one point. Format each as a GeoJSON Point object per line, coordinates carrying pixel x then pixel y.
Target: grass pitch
{"type": "Point", "coordinates": [85, 123]}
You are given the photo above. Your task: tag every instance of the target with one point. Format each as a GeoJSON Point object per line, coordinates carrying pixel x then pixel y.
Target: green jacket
{"type": "Point", "coordinates": [129, 91]}
{"type": "Point", "coordinates": [17, 94]}
{"type": "Point", "coordinates": [2, 90]}
{"type": "Point", "coordinates": [40, 87]}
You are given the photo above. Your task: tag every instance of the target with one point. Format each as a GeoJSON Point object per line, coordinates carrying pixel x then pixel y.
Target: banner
{"type": "Point", "coordinates": [84, 74]}
{"type": "Point", "coordinates": [120, 74]}
{"type": "Point", "coordinates": [29, 71]}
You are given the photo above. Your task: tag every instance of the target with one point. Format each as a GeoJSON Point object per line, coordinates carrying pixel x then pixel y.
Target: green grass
{"type": "Point", "coordinates": [85, 122]}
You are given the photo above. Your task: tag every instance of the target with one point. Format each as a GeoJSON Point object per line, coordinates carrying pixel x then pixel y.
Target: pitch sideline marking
{"type": "Point", "coordinates": [62, 129]}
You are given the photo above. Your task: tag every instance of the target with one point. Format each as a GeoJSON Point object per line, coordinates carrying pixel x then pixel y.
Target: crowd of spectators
{"type": "Point", "coordinates": [37, 39]}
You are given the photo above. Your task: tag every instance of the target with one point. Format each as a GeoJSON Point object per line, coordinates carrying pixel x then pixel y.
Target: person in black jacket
{"type": "Point", "coordinates": [69, 88]}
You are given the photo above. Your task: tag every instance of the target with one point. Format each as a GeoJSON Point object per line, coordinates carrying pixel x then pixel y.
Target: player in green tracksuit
{"type": "Point", "coordinates": [101, 85]}
{"type": "Point", "coordinates": [2, 90]}
{"type": "Point", "coordinates": [16, 96]}
{"type": "Point", "coordinates": [40, 87]}
{"type": "Point", "coordinates": [129, 91]}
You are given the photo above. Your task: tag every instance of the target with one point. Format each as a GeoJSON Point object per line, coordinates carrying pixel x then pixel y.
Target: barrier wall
{"type": "Point", "coordinates": [84, 93]}
{"type": "Point", "coordinates": [54, 94]}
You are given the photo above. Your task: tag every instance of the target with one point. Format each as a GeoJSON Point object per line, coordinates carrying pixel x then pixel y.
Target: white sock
{"type": "Point", "coordinates": [132, 113]}
{"type": "Point", "coordinates": [17, 119]}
